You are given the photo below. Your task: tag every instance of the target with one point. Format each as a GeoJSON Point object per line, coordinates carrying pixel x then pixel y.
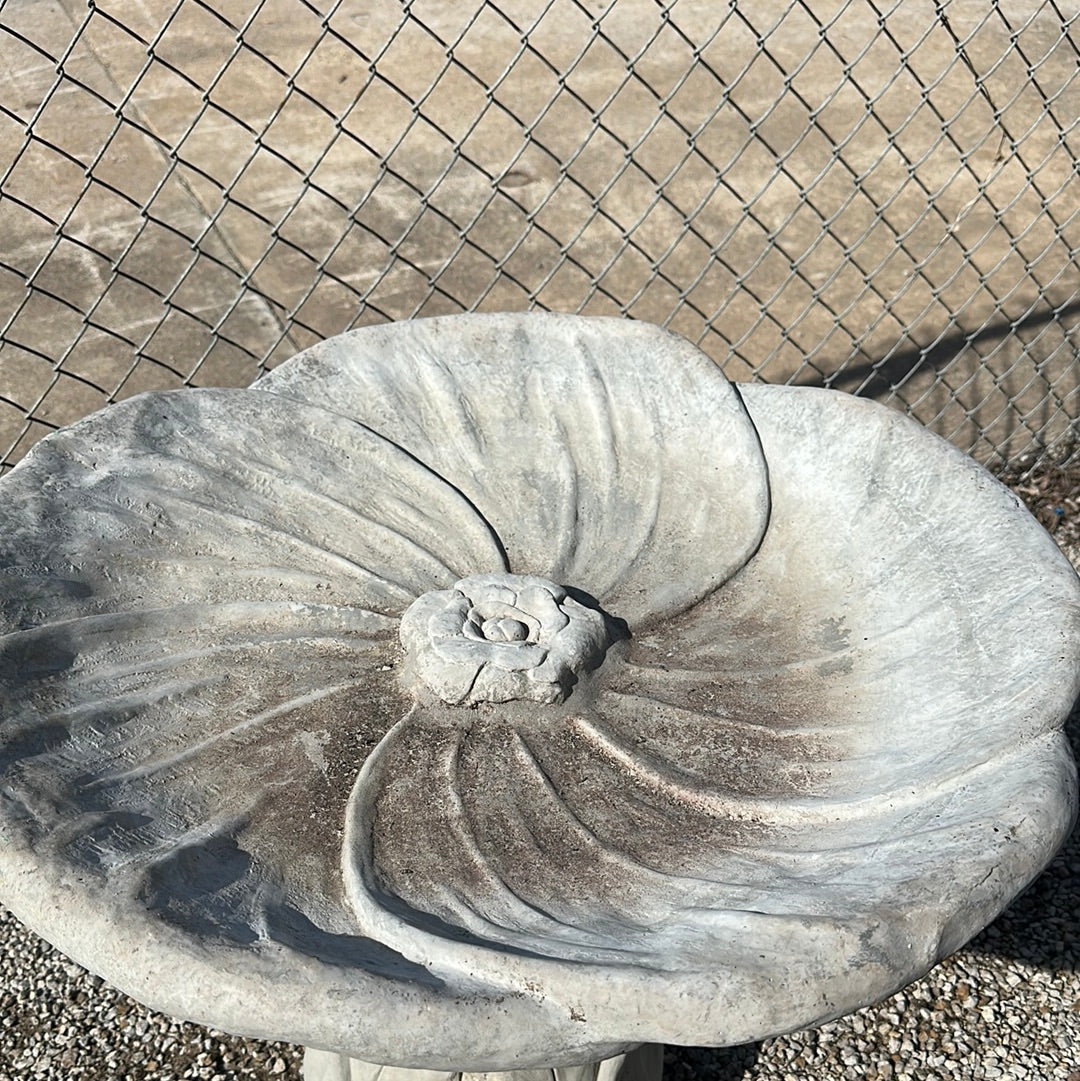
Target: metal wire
{"type": "Point", "coordinates": [877, 197]}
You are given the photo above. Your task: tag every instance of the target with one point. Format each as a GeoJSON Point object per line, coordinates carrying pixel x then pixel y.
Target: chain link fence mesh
{"type": "Point", "coordinates": [879, 197]}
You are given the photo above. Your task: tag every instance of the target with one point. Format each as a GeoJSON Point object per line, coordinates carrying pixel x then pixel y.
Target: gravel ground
{"type": "Point", "coordinates": [1005, 1007]}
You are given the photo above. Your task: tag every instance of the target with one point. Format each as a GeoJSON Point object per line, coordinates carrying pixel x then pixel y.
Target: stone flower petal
{"type": "Point", "coordinates": [565, 862]}
{"type": "Point", "coordinates": [790, 800]}
{"type": "Point", "coordinates": [897, 580]}
{"type": "Point", "coordinates": [601, 451]}
{"type": "Point", "coordinates": [234, 494]}
{"type": "Point", "coordinates": [186, 567]}
{"type": "Point", "coordinates": [196, 657]}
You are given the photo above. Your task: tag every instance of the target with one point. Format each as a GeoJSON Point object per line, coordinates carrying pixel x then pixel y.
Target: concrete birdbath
{"type": "Point", "coordinates": [504, 693]}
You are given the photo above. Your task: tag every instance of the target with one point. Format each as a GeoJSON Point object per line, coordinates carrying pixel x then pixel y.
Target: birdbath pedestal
{"type": "Point", "coordinates": [645, 1063]}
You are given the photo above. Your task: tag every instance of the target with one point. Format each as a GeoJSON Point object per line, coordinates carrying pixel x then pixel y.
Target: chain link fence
{"type": "Point", "coordinates": [879, 197]}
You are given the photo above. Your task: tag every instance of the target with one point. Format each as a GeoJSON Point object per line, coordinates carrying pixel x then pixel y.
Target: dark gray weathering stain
{"type": "Point", "coordinates": [30, 658]}
{"type": "Point", "coordinates": [207, 889]}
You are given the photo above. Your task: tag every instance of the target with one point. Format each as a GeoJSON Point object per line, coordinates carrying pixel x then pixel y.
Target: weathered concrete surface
{"type": "Point", "coordinates": [826, 750]}
{"type": "Point", "coordinates": [277, 177]}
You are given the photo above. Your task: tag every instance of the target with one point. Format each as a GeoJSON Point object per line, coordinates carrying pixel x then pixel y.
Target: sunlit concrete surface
{"type": "Point", "coordinates": [813, 193]}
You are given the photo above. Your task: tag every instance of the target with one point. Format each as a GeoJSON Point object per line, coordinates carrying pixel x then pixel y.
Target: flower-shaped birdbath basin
{"type": "Point", "coordinates": [507, 692]}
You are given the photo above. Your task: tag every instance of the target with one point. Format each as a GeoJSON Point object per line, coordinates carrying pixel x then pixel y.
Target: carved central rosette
{"type": "Point", "coordinates": [499, 637]}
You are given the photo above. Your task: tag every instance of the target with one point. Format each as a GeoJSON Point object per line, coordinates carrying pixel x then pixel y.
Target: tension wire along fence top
{"type": "Point", "coordinates": [881, 198]}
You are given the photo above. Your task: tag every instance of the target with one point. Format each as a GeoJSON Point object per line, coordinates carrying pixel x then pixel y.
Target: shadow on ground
{"type": "Point", "coordinates": [871, 379]}
{"type": "Point", "coordinates": [709, 1063]}
{"type": "Point", "coordinates": [1042, 927]}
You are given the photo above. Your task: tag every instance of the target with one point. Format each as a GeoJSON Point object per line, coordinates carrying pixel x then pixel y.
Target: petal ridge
{"type": "Point", "coordinates": [630, 437]}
